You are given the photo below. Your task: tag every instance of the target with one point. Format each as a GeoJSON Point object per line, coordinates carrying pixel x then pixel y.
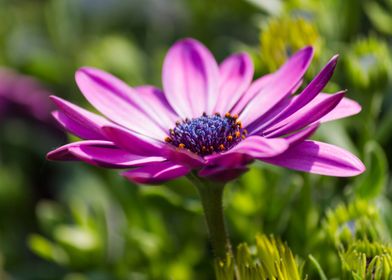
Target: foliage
{"type": "Point", "coordinates": [268, 259]}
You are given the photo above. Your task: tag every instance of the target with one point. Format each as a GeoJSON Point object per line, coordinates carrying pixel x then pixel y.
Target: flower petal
{"type": "Point", "coordinates": [222, 174]}
{"type": "Point", "coordinates": [79, 121]}
{"type": "Point", "coordinates": [307, 95]}
{"type": "Point", "coordinates": [190, 78]}
{"type": "Point", "coordinates": [345, 108]}
{"type": "Point", "coordinates": [319, 158]}
{"type": "Point", "coordinates": [312, 89]}
{"type": "Point", "coordinates": [311, 113]}
{"type": "Point", "coordinates": [302, 135]}
{"type": "Point", "coordinates": [281, 84]}
{"type": "Point", "coordinates": [100, 153]}
{"type": "Point", "coordinates": [157, 107]}
{"type": "Point", "coordinates": [117, 101]}
{"type": "Point", "coordinates": [248, 149]}
{"type": "Point", "coordinates": [236, 73]}
{"type": "Point", "coordinates": [182, 156]}
{"type": "Point", "coordinates": [156, 173]}
{"type": "Point", "coordinates": [252, 91]}
{"type": "Point", "coordinates": [134, 143]}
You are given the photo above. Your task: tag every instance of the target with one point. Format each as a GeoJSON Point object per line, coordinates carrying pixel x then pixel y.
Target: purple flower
{"type": "Point", "coordinates": [209, 118]}
{"type": "Point", "coordinates": [23, 95]}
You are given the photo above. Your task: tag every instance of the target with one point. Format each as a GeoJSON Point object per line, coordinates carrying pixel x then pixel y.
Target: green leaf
{"type": "Point", "coordinates": [47, 250]}
{"type": "Point", "coordinates": [372, 182]}
{"type": "Point", "coordinates": [318, 268]}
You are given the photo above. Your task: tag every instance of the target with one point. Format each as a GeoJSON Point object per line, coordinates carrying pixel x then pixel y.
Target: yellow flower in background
{"type": "Point", "coordinates": [281, 37]}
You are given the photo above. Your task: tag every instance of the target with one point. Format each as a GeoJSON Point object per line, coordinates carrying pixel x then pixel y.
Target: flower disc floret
{"type": "Point", "coordinates": [207, 134]}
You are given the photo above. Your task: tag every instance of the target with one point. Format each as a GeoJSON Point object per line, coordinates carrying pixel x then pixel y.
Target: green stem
{"type": "Point", "coordinates": [211, 195]}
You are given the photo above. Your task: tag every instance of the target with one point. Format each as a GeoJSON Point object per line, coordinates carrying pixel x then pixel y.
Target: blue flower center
{"type": "Point", "coordinates": [206, 135]}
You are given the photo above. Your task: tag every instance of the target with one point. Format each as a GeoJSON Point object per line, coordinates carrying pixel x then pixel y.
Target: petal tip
{"type": "Point", "coordinates": [308, 50]}
{"type": "Point", "coordinates": [55, 99]}
{"type": "Point", "coordinates": [50, 156]}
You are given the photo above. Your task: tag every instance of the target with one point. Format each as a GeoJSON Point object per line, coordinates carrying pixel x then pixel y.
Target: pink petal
{"type": "Point", "coordinates": [319, 158]}
{"type": "Point", "coordinates": [134, 143]}
{"type": "Point", "coordinates": [156, 173]}
{"type": "Point", "coordinates": [141, 145]}
{"type": "Point", "coordinates": [190, 78]}
{"type": "Point", "coordinates": [100, 153]}
{"type": "Point", "coordinates": [118, 101]}
{"type": "Point", "coordinates": [281, 84]}
{"type": "Point", "coordinates": [345, 108]}
{"type": "Point", "coordinates": [182, 156]}
{"type": "Point", "coordinates": [250, 148]}
{"type": "Point", "coordinates": [156, 106]}
{"type": "Point", "coordinates": [256, 87]}
{"type": "Point", "coordinates": [302, 135]}
{"type": "Point", "coordinates": [307, 95]}
{"type": "Point", "coordinates": [236, 73]}
{"type": "Point", "coordinates": [219, 173]}
{"type": "Point", "coordinates": [78, 121]}
{"type": "Point", "coordinates": [312, 112]}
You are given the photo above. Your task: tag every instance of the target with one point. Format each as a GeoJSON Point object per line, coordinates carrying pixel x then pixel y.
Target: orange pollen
{"type": "Point", "coordinates": [245, 132]}
{"type": "Point", "coordinates": [181, 146]}
{"type": "Point", "coordinates": [235, 116]}
{"type": "Point", "coordinates": [221, 147]}
{"type": "Point", "coordinates": [230, 138]}
{"type": "Point", "coordinates": [243, 136]}
{"type": "Point", "coordinates": [211, 148]}
{"type": "Point", "coordinates": [168, 140]}
{"type": "Point", "coordinates": [239, 124]}
{"type": "Point", "coordinates": [237, 134]}
{"type": "Point", "coordinates": [227, 115]}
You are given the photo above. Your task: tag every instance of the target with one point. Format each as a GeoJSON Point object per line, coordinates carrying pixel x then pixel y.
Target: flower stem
{"type": "Point", "coordinates": [211, 194]}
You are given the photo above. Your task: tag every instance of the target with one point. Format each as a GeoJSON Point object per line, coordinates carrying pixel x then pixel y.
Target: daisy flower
{"type": "Point", "coordinates": [209, 118]}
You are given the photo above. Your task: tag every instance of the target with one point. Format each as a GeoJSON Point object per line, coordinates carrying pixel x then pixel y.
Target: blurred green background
{"type": "Point", "coordinates": [73, 221]}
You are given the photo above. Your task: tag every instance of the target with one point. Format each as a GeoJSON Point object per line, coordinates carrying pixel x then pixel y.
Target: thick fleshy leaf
{"type": "Point", "coordinates": [250, 148]}
{"type": "Point", "coordinates": [281, 84]}
{"type": "Point", "coordinates": [156, 173]}
{"type": "Point", "coordinates": [236, 73]}
{"type": "Point", "coordinates": [134, 143]}
{"type": "Point", "coordinates": [345, 108]}
{"type": "Point", "coordinates": [319, 158]}
{"type": "Point", "coordinates": [190, 78]}
{"type": "Point", "coordinates": [79, 121]}
{"type": "Point", "coordinates": [118, 101]}
{"type": "Point", "coordinates": [309, 114]}
{"type": "Point", "coordinates": [100, 153]}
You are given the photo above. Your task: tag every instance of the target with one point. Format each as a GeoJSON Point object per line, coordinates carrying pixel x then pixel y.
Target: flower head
{"type": "Point", "coordinates": [23, 95]}
{"type": "Point", "coordinates": [283, 36]}
{"type": "Point", "coordinates": [209, 118]}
